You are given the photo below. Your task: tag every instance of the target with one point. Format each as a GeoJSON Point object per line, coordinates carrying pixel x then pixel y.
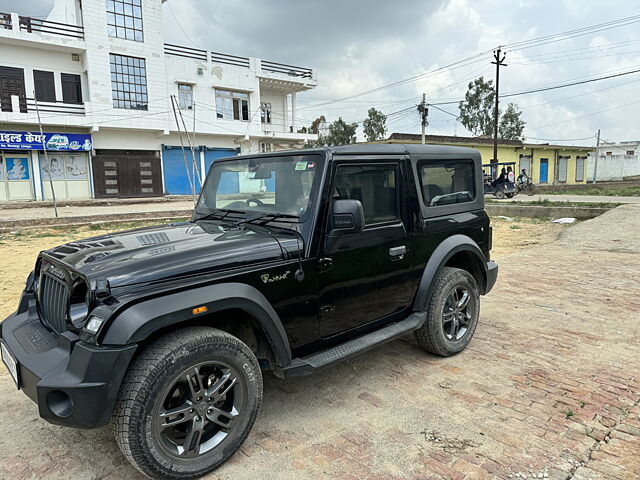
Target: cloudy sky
{"type": "Point", "coordinates": [359, 45]}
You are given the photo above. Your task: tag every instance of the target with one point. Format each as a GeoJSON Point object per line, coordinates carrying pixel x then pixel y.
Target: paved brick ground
{"type": "Point", "coordinates": [550, 388]}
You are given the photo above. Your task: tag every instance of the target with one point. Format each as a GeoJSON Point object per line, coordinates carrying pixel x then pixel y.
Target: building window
{"type": "Point", "coordinates": [265, 112]}
{"type": "Point", "coordinates": [580, 169]}
{"type": "Point", "coordinates": [609, 153]}
{"type": "Point", "coordinates": [266, 147]}
{"type": "Point", "coordinates": [374, 186]}
{"type": "Point", "coordinates": [45, 87]}
{"type": "Point", "coordinates": [447, 182]}
{"type": "Point", "coordinates": [631, 152]}
{"type": "Point", "coordinates": [185, 96]}
{"type": "Point", "coordinates": [232, 105]}
{"type": "Point", "coordinates": [128, 82]}
{"type": "Point", "coordinates": [124, 19]}
{"type": "Point", "coordinates": [71, 88]}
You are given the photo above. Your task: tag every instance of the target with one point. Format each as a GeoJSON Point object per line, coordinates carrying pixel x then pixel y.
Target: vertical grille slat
{"type": "Point", "coordinates": [53, 299]}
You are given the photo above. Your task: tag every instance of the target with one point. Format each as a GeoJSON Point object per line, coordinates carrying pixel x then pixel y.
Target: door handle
{"type": "Point", "coordinates": [397, 253]}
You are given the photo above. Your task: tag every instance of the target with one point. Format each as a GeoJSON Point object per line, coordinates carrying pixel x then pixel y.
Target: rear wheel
{"type": "Point", "coordinates": [453, 313]}
{"type": "Point", "coordinates": [187, 403]}
{"type": "Point", "coordinates": [500, 193]}
{"type": "Point", "coordinates": [530, 189]}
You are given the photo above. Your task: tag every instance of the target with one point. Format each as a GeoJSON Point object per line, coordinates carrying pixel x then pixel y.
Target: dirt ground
{"type": "Point", "coordinates": [549, 387]}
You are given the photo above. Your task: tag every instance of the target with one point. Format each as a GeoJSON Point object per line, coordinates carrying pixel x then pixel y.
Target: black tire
{"type": "Point", "coordinates": [530, 189]}
{"type": "Point", "coordinates": [435, 335]}
{"type": "Point", "coordinates": [510, 194]}
{"type": "Point", "coordinates": [170, 374]}
{"type": "Point", "coordinates": [500, 193]}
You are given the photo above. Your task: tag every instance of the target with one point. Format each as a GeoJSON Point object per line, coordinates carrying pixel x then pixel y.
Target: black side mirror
{"type": "Point", "coordinates": [347, 217]}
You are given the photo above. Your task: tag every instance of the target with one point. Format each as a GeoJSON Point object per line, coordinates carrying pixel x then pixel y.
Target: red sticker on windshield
{"type": "Point", "coordinates": [311, 165]}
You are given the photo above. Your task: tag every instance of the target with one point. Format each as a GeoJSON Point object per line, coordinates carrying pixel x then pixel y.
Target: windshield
{"type": "Point", "coordinates": [282, 185]}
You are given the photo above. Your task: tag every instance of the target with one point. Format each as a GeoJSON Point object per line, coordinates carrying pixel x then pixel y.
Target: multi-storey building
{"type": "Point", "coordinates": [103, 81]}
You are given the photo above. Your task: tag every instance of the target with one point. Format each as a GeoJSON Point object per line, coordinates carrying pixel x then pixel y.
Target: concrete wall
{"type": "Point", "coordinates": [614, 167]}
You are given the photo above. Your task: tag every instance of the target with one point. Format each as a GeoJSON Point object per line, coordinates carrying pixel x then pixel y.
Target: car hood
{"type": "Point", "coordinates": [172, 251]}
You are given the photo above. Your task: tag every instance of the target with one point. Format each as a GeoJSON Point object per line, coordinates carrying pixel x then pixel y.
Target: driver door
{"type": "Point", "coordinates": [366, 276]}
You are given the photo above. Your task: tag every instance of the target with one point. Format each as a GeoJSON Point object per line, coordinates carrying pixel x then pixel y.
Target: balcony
{"type": "Point", "coordinates": [30, 25]}
{"type": "Point", "coordinates": [23, 30]}
{"type": "Point", "coordinates": [278, 76]}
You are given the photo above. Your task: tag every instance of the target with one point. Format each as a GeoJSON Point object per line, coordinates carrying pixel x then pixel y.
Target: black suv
{"type": "Point", "coordinates": [292, 261]}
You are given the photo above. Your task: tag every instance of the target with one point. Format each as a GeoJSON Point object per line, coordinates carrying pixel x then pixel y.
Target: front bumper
{"type": "Point", "coordinates": [73, 383]}
{"type": "Point", "coordinates": [492, 275]}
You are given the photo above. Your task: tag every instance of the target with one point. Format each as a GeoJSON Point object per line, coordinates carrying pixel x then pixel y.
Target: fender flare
{"type": "Point", "coordinates": [443, 252]}
{"type": "Point", "coordinates": [136, 323]}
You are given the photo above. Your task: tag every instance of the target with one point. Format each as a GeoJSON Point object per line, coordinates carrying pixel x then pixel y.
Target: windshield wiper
{"type": "Point", "coordinates": [266, 218]}
{"type": "Point", "coordinates": [216, 215]}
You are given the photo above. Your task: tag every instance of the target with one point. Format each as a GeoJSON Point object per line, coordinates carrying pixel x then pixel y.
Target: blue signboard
{"type": "Point", "coordinates": [53, 141]}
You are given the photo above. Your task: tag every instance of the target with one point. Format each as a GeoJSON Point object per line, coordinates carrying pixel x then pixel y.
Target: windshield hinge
{"type": "Point", "coordinates": [325, 264]}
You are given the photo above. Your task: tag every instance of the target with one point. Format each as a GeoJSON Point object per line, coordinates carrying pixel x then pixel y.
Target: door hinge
{"type": "Point", "coordinates": [325, 264]}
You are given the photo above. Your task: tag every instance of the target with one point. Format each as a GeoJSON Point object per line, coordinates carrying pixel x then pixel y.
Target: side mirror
{"type": "Point", "coordinates": [347, 217]}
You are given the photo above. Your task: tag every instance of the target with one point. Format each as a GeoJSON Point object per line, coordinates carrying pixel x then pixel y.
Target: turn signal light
{"type": "Point", "coordinates": [198, 310]}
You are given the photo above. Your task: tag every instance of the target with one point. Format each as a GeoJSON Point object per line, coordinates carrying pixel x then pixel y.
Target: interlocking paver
{"type": "Point", "coordinates": [549, 388]}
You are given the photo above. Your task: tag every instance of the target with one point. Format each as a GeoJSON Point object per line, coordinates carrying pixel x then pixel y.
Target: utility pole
{"type": "Point", "coordinates": [424, 112]}
{"type": "Point", "coordinates": [595, 165]}
{"type": "Point", "coordinates": [499, 62]}
{"type": "Point", "coordinates": [46, 158]}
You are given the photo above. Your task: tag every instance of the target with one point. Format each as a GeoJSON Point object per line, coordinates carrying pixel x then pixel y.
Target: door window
{"type": "Point", "coordinates": [447, 182]}
{"type": "Point", "coordinates": [376, 188]}
{"type": "Point", "coordinates": [45, 89]}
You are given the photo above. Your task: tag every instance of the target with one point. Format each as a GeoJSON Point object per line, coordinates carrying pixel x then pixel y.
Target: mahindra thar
{"type": "Point", "coordinates": [292, 261]}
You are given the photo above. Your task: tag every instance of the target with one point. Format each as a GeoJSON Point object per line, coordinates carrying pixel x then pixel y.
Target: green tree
{"type": "Point", "coordinates": [476, 111]}
{"type": "Point", "coordinates": [316, 128]}
{"type": "Point", "coordinates": [375, 125]}
{"type": "Point", "coordinates": [340, 133]}
{"type": "Point", "coordinates": [511, 125]}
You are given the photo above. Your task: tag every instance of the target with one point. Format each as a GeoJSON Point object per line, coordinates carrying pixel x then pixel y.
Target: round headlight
{"type": "Point", "coordinates": [78, 304]}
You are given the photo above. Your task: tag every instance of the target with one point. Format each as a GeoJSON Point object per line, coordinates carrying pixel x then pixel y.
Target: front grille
{"type": "Point", "coordinates": [53, 298]}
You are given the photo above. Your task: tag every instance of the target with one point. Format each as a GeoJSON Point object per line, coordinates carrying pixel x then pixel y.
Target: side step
{"type": "Point", "coordinates": [351, 348]}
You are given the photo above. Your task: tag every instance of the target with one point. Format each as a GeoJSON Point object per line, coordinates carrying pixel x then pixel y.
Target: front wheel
{"type": "Point", "coordinates": [530, 189]}
{"type": "Point", "coordinates": [500, 194]}
{"type": "Point", "coordinates": [187, 403]}
{"type": "Point", "coordinates": [452, 314]}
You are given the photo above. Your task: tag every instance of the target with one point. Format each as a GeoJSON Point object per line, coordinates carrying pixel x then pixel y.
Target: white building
{"type": "Point", "coordinates": [616, 161]}
{"type": "Point", "coordinates": [103, 77]}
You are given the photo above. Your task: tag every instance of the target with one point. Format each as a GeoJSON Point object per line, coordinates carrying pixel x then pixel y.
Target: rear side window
{"type": "Point", "coordinates": [447, 182]}
{"type": "Point", "coordinates": [374, 186]}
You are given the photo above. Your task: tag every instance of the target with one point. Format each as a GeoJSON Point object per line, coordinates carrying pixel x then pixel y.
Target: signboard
{"type": "Point", "coordinates": [53, 141]}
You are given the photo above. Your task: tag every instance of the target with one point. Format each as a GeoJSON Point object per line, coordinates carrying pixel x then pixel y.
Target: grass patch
{"type": "Point", "coordinates": [515, 227]}
{"type": "Point", "coordinates": [605, 191]}
{"type": "Point", "coordinates": [552, 203]}
{"type": "Point", "coordinates": [66, 231]}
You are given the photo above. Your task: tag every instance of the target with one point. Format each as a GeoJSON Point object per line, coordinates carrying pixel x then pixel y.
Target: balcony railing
{"type": "Point", "coordinates": [55, 107]}
{"type": "Point", "coordinates": [5, 21]}
{"type": "Point", "coordinates": [230, 59]}
{"type": "Point", "coordinates": [188, 52]}
{"type": "Point", "coordinates": [30, 25]}
{"type": "Point", "coordinates": [237, 61]}
{"type": "Point", "coordinates": [290, 70]}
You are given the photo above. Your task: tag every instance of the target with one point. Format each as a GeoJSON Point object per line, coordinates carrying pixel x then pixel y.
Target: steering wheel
{"type": "Point", "coordinates": [257, 201]}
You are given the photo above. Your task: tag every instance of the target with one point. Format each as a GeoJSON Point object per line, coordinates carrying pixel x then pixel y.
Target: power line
{"type": "Point", "coordinates": [544, 89]}
{"type": "Point", "coordinates": [587, 115]}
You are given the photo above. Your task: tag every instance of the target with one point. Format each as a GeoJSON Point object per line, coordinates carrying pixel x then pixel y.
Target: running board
{"type": "Point", "coordinates": [351, 348]}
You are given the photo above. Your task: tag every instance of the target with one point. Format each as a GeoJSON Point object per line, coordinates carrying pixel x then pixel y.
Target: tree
{"type": "Point", "coordinates": [476, 111]}
{"type": "Point", "coordinates": [375, 125]}
{"type": "Point", "coordinates": [316, 128]}
{"type": "Point", "coordinates": [340, 133]}
{"type": "Point", "coordinates": [511, 125]}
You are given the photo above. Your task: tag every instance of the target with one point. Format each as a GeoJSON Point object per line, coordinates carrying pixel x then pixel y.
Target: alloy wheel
{"type": "Point", "coordinates": [457, 313]}
{"type": "Point", "coordinates": [199, 409]}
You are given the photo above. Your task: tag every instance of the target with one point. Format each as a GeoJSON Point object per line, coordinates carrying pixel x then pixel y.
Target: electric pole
{"type": "Point", "coordinates": [424, 112]}
{"type": "Point", "coordinates": [595, 165]}
{"type": "Point", "coordinates": [499, 62]}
